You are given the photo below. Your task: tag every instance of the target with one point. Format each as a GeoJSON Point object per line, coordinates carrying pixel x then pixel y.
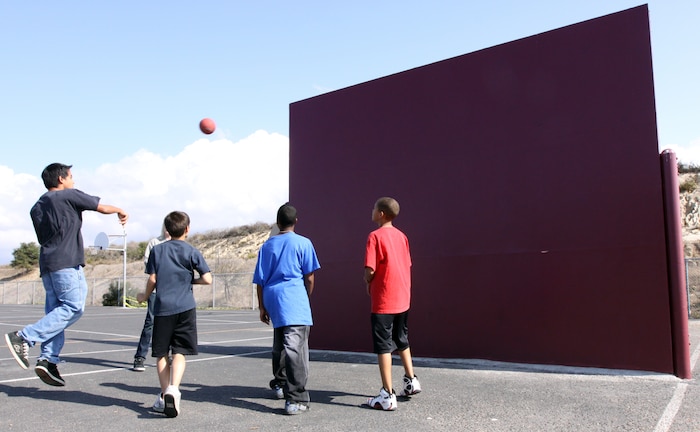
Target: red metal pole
{"type": "Point", "coordinates": [676, 270]}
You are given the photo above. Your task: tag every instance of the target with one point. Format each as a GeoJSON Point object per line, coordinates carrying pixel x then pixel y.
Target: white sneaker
{"type": "Point", "coordinates": [292, 408]}
{"type": "Point", "coordinates": [411, 386]}
{"type": "Point", "coordinates": [171, 397]}
{"type": "Point", "coordinates": [159, 404]}
{"type": "Point", "coordinates": [383, 401]}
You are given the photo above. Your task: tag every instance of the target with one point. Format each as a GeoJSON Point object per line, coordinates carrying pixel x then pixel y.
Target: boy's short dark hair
{"type": "Point", "coordinates": [286, 216]}
{"type": "Point", "coordinates": [389, 206]}
{"type": "Point", "coordinates": [52, 172]}
{"type": "Point", "coordinates": [176, 223]}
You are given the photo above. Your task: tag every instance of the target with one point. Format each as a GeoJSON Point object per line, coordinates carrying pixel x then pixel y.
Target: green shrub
{"type": "Point", "coordinates": [115, 296]}
{"type": "Point", "coordinates": [688, 186]}
{"type": "Point", "coordinates": [135, 253]}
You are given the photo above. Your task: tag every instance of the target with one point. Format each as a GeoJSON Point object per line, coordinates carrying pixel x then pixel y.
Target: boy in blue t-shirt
{"type": "Point", "coordinates": [171, 266]}
{"type": "Point", "coordinates": [284, 276]}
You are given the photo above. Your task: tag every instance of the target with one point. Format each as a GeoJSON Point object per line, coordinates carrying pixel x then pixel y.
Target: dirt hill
{"type": "Point", "coordinates": [690, 213]}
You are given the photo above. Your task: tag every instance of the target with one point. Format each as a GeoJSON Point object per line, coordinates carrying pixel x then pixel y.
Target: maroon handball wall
{"type": "Point", "coordinates": [530, 188]}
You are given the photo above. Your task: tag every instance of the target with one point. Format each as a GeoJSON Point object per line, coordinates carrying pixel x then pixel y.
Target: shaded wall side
{"type": "Point", "coordinates": [511, 165]}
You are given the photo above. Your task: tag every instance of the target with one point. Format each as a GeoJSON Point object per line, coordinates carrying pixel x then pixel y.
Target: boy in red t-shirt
{"type": "Point", "coordinates": [388, 277]}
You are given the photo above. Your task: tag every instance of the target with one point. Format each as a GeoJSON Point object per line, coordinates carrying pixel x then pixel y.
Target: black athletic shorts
{"type": "Point", "coordinates": [390, 332]}
{"type": "Point", "coordinates": [175, 332]}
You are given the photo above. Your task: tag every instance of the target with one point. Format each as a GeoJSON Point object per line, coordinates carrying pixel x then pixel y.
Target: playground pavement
{"type": "Point", "coordinates": [225, 387]}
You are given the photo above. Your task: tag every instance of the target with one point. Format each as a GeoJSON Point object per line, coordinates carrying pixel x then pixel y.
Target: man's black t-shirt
{"type": "Point", "coordinates": [57, 218]}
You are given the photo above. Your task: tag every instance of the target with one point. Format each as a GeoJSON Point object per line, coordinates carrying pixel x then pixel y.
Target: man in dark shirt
{"type": "Point", "coordinates": [57, 218]}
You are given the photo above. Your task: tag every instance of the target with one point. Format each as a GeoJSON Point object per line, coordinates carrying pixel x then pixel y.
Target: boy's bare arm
{"type": "Point", "coordinates": [150, 286]}
{"type": "Point", "coordinates": [110, 209]}
{"type": "Point", "coordinates": [309, 283]}
{"type": "Point", "coordinates": [264, 317]}
{"type": "Point", "coordinates": [369, 275]}
{"type": "Point", "coordinates": [204, 279]}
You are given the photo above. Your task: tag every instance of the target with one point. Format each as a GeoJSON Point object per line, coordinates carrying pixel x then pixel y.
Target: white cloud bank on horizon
{"type": "Point", "coordinates": [220, 184]}
{"type": "Point", "coordinates": [689, 154]}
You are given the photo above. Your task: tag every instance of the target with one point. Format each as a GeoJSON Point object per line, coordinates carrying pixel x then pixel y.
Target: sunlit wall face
{"type": "Point", "coordinates": [528, 178]}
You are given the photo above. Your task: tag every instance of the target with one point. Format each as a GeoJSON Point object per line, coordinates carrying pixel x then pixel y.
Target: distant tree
{"type": "Point", "coordinates": [26, 256]}
{"type": "Point", "coordinates": [136, 253]}
{"type": "Point", "coordinates": [684, 168]}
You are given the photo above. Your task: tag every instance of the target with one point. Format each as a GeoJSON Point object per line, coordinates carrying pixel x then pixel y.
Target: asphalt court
{"type": "Point", "coordinates": [225, 387]}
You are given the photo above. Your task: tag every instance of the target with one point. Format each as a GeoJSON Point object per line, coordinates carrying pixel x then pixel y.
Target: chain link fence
{"type": "Point", "coordinates": [227, 291]}
{"type": "Point", "coordinates": [236, 290]}
{"type": "Point", "coordinates": [692, 283]}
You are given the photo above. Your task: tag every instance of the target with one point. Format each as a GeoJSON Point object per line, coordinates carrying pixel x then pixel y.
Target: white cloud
{"type": "Point", "coordinates": [688, 154]}
{"type": "Point", "coordinates": [18, 192]}
{"type": "Point", "coordinates": [220, 184]}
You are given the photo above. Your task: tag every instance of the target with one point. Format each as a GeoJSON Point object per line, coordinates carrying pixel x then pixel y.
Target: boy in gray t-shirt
{"type": "Point", "coordinates": [171, 267]}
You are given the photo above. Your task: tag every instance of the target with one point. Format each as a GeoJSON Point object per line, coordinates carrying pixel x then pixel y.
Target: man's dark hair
{"type": "Point", "coordinates": [286, 216]}
{"type": "Point", "coordinates": [52, 172]}
{"type": "Point", "coordinates": [176, 223]}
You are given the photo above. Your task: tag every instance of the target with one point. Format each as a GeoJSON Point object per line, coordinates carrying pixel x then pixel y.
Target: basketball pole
{"type": "Point", "coordinates": [103, 243]}
{"type": "Point", "coordinates": [124, 250]}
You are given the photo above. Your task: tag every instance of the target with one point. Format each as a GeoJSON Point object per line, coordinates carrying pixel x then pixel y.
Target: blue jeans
{"type": "Point", "coordinates": [147, 332]}
{"type": "Point", "coordinates": [66, 290]}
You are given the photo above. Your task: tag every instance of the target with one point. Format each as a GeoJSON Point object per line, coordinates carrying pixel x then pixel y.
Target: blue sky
{"type": "Point", "coordinates": [117, 90]}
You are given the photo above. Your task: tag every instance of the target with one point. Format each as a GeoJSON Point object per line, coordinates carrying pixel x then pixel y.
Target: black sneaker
{"type": "Point", "coordinates": [19, 349]}
{"type": "Point", "coordinates": [48, 372]}
{"type": "Point", "coordinates": [139, 364]}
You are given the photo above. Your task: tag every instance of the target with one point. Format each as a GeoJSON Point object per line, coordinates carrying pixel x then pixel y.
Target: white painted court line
{"type": "Point", "coordinates": [201, 343]}
{"type": "Point", "coordinates": [137, 336]}
{"type": "Point", "coordinates": [72, 330]}
{"type": "Point", "coordinates": [76, 354]}
{"type": "Point", "coordinates": [197, 360]}
{"type": "Point", "coordinates": [669, 415]}
{"type": "Point", "coordinates": [96, 352]}
{"type": "Point", "coordinates": [129, 336]}
{"type": "Point", "coordinates": [224, 321]}
{"type": "Point", "coordinates": [234, 340]}
{"type": "Point", "coordinates": [21, 326]}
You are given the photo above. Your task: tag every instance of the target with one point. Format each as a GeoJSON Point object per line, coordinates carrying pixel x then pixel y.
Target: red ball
{"type": "Point", "coordinates": [207, 126]}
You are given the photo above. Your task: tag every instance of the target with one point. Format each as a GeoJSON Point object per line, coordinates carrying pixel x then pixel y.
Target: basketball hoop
{"type": "Point", "coordinates": [102, 243]}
